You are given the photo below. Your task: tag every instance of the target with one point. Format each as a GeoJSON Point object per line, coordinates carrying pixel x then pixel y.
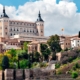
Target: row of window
{"type": "Point", "coordinates": [22, 23]}
{"type": "Point", "coordinates": [67, 43]}
{"type": "Point", "coordinates": [77, 45]}
{"type": "Point", "coordinates": [39, 24]}
{"type": "Point", "coordinates": [15, 34]}
{"type": "Point", "coordinates": [4, 20]}
{"type": "Point", "coordinates": [24, 30]}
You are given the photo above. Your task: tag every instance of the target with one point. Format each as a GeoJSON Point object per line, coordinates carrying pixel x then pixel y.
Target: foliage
{"type": "Point", "coordinates": [12, 52]}
{"type": "Point", "coordinates": [42, 64]}
{"type": "Point", "coordinates": [76, 66]}
{"type": "Point", "coordinates": [53, 42]}
{"type": "Point", "coordinates": [24, 64]}
{"type": "Point", "coordinates": [74, 74]}
{"type": "Point", "coordinates": [35, 65]}
{"type": "Point", "coordinates": [70, 59]}
{"type": "Point", "coordinates": [25, 46]}
{"type": "Point", "coordinates": [5, 62]}
{"type": "Point", "coordinates": [37, 56]}
{"type": "Point", "coordinates": [45, 51]}
{"type": "Point", "coordinates": [13, 65]}
{"type": "Point", "coordinates": [58, 72]}
{"type": "Point", "coordinates": [57, 65]}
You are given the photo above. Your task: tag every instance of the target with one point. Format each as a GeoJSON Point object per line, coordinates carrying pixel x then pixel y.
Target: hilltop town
{"type": "Point", "coordinates": [25, 50]}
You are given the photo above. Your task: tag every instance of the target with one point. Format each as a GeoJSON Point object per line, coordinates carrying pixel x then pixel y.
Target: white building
{"type": "Point", "coordinates": [75, 42]}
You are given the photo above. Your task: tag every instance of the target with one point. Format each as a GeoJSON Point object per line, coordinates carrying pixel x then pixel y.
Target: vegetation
{"type": "Point", "coordinates": [53, 43]}
{"type": "Point", "coordinates": [5, 63]}
{"type": "Point", "coordinates": [25, 46]}
{"type": "Point", "coordinates": [70, 61]}
{"type": "Point", "coordinates": [57, 65]}
{"type": "Point", "coordinates": [74, 74]}
{"type": "Point", "coordinates": [45, 51]}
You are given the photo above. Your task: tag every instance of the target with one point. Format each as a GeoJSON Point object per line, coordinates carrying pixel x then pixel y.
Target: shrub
{"type": "Point", "coordinates": [24, 64]}
{"type": "Point", "coordinates": [57, 65]}
{"type": "Point", "coordinates": [74, 67]}
{"type": "Point", "coordinates": [43, 65]}
{"type": "Point", "coordinates": [70, 59]}
{"type": "Point", "coordinates": [13, 65]}
{"type": "Point", "coordinates": [58, 72]}
{"type": "Point", "coordinates": [77, 65]}
{"type": "Point", "coordinates": [74, 74]}
{"type": "Point", "coordinates": [5, 63]}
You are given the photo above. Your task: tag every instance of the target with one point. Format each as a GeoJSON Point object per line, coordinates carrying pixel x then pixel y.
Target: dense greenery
{"type": "Point", "coordinates": [45, 51]}
{"type": "Point", "coordinates": [74, 74]}
{"type": "Point", "coordinates": [25, 46]}
{"type": "Point", "coordinates": [53, 42]}
{"type": "Point", "coordinates": [5, 62]}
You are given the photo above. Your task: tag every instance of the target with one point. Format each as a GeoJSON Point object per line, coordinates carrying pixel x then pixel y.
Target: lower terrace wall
{"type": "Point", "coordinates": [32, 74]}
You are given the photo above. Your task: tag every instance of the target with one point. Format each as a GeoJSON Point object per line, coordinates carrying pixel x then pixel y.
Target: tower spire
{"type": "Point", "coordinates": [4, 13]}
{"type": "Point", "coordinates": [39, 14]}
{"type": "Point", "coordinates": [4, 9]}
{"type": "Point", "coordinates": [39, 17]}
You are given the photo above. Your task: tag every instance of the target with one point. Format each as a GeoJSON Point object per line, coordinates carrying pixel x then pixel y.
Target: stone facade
{"type": "Point", "coordinates": [9, 28]}
{"type": "Point", "coordinates": [65, 42]}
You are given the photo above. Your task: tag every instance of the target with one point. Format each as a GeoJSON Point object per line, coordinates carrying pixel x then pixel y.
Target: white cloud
{"type": "Point", "coordinates": [56, 16]}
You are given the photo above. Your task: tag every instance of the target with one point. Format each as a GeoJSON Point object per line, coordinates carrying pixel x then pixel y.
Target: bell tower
{"type": "Point", "coordinates": [4, 24]}
{"type": "Point", "coordinates": [40, 25]}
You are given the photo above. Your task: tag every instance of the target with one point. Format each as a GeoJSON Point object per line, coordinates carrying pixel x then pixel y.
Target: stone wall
{"type": "Point", "coordinates": [33, 74]}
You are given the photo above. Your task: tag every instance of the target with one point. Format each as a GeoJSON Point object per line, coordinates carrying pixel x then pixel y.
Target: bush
{"type": "Point", "coordinates": [58, 72]}
{"type": "Point", "coordinates": [43, 64]}
{"type": "Point", "coordinates": [74, 67]}
{"type": "Point", "coordinates": [57, 65]}
{"type": "Point", "coordinates": [74, 74]}
{"type": "Point", "coordinates": [77, 65]}
{"type": "Point", "coordinates": [70, 59]}
{"type": "Point", "coordinates": [13, 65]}
{"type": "Point", "coordinates": [5, 63]}
{"type": "Point", "coordinates": [24, 64]}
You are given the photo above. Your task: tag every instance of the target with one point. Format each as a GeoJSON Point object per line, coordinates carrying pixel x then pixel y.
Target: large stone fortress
{"type": "Point", "coordinates": [9, 28]}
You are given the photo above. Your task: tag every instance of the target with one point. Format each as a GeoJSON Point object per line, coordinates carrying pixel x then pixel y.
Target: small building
{"type": "Point", "coordinates": [65, 42]}
{"type": "Point", "coordinates": [34, 46]}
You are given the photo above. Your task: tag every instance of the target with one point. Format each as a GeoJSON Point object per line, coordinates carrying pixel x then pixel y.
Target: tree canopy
{"type": "Point", "coordinates": [45, 51]}
{"type": "Point", "coordinates": [25, 46]}
{"type": "Point", "coordinates": [53, 42]}
{"type": "Point", "coordinates": [5, 63]}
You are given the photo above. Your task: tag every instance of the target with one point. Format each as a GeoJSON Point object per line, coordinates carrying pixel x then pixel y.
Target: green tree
{"type": "Point", "coordinates": [24, 63]}
{"type": "Point", "coordinates": [5, 63]}
{"type": "Point", "coordinates": [53, 42]}
{"type": "Point", "coordinates": [37, 56]}
{"type": "Point", "coordinates": [45, 51]}
{"type": "Point", "coordinates": [12, 52]}
{"type": "Point", "coordinates": [74, 74]}
{"type": "Point", "coordinates": [25, 46]}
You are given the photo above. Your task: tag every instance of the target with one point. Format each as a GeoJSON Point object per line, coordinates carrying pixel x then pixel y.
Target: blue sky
{"type": "Point", "coordinates": [16, 3]}
{"type": "Point", "coordinates": [56, 16]}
